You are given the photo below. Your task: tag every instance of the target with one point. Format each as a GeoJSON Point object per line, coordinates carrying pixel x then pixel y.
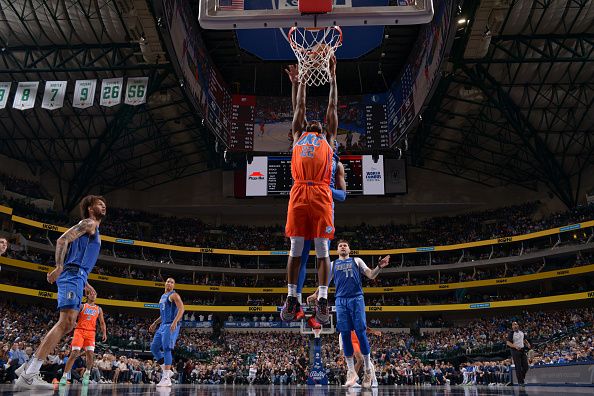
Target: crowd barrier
{"type": "Point", "coordinates": [584, 269]}
{"type": "Point", "coordinates": [188, 249]}
{"type": "Point", "coordinates": [577, 373]}
{"type": "Point", "coordinates": [589, 295]}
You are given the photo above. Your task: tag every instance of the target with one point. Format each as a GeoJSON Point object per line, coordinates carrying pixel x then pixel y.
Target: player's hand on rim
{"type": "Point", "coordinates": [384, 262]}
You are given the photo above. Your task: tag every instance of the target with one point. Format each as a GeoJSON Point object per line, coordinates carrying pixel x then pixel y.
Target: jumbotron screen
{"type": "Point", "coordinates": [271, 175]}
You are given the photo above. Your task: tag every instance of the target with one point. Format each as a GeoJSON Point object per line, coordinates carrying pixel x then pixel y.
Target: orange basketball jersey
{"type": "Point", "coordinates": [312, 159]}
{"type": "Point", "coordinates": [87, 318]}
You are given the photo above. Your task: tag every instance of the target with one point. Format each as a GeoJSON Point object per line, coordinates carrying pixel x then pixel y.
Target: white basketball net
{"type": "Point", "coordinates": [313, 48]}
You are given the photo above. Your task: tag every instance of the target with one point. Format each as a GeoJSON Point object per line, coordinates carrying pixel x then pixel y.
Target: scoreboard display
{"type": "Point", "coordinates": [271, 176]}
{"type": "Point", "coordinates": [242, 122]}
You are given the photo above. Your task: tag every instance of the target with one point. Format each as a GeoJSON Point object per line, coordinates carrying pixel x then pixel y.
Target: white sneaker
{"type": "Point", "coordinates": [18, 372]}
{"type": "Point", "coordinates": [352, 379]}
{"type": "Point", "coordinates": [164, 382]}
{"type": "Point", "coordinates": [32, 381]}
{"type": "Point", "coordinates": [366, 383]}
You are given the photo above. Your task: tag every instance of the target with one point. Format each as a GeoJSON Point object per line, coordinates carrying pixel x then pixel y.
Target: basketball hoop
{"type": "Point", "coordinates": [313, 48]}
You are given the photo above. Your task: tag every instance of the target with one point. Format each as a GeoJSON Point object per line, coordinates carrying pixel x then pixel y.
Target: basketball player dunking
{"type": "Point", "coordinates": [84, 338]}
{"type": "Point", "coordinates": [82, 243]}
{"type": "Point", "coordinates": [172, 310]}
{"type": "Point", "coordinates": [337, 186]}
{"type": "Point", "coordinates": [309, 215]}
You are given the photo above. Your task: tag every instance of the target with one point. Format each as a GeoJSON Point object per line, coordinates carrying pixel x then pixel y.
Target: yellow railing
{"type": "Point", "coordinates": [281, 290]}
{"type": "Point", "coordinates": [188, 249]}
{"type": "Point", "coordinates": [386, 308]}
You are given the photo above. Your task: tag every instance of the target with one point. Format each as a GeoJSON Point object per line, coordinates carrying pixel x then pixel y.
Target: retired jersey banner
{"type": "Point", "coordinates": [4, 91]}
{"type": "Point", "coordinates": [111, 91]}
{"type": "Point", "coordinates": [136, 91]}
{"type": "Point", "coordinates": [24, 98]}
{"type": "Point", "coordinates": [84, 93]}
{"type": "Point", "coordinates": [53, 96]}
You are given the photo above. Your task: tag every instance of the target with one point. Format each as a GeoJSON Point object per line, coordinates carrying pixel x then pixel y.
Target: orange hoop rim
{"type": "Point", "coordinates": [335, 27]}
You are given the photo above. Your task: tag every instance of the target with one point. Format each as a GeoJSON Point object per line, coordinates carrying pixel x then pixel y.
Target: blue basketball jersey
{"type": "Point", "coordinates": [335, 160]}
{"type": "Point", "coordinates": [168, 308]}
{"type": "Point", "coordinates": [347, 278]}
{"type": "Point", "coordinates": [84, 251]}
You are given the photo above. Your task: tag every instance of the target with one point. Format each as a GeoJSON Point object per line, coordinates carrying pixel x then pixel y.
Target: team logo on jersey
{"type": "Point", "coordinates": [70, 295]}
{"type": "Point", "coordinates": [329, 229]}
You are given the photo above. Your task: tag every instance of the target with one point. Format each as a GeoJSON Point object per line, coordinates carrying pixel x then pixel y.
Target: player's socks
{"type": "Point", "coordinates": [34, 366]}
{"type": "Point", "coordinates": [367, 361]}
{"type": "Point", "coordinates": [291, 290]}
{"type": "Point", "coordinates": [350, 361]}
{"type": "Point", "coordinates": [323, 292]}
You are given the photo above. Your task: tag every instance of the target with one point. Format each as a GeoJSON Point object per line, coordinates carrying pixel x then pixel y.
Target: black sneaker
{"type": "Point", "coordinates": [290, 309]}
{"type": "Point", "coordinates": [323, 311]}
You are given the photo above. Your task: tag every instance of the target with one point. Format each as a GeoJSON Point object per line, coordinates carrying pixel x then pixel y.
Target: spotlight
{"type": "Point", "coordinates": [462, 21]}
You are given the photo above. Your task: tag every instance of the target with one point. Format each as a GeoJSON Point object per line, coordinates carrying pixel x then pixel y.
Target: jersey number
{"type": "Point", "coordinates": [308, 151]}
{"type": "Point", "coordinates": [348, 273]}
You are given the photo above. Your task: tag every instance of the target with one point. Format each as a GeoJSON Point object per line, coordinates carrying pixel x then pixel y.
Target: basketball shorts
{"type": "Point", "coordinates": [71, 285]}
{"type": "Point", "coordinates": [310, 214]}
{"type": "Point", "coordinates": [165, 338]}
{"type": "Point", "coordinates": [83, 339]}
{"type": "Point", "coordinates": [350, 314]}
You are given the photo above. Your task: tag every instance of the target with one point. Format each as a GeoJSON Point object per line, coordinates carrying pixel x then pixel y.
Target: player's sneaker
{"type": "Point", "coordinates": [86, 378]}
{"type": "Point", "coordinates": [290, 309]}
{"type": "Point", "coordinates": [352, 379]}
{"type": "Point", "coordinates": [164, 382]}
{"type": "Point", "coordinates": [323, 311]}
{"type": "Point", "coordinates": [367, 378]}
{"type": "Point", "coordinates": [32, 381]}
{"type": "Point", "coordinates": [300, 314]}
{"type": "Point", "coordinates": [63, 381]}
{"type": "Point", "coordinates": [313, 323]}
{"type": "Point", "coordinates": [18, 372]}
{"type": "Point", "coordinates": [374, 383]}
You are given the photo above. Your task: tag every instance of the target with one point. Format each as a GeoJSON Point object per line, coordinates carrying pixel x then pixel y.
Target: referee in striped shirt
{"type": "Point", "coordinates": [518, 344]}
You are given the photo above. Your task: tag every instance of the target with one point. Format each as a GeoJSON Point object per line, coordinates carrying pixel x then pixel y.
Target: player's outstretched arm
{"type": "Point", "coordinates": [175, 298]}
{"type": "Point", "coordinates": [299, 111]}
{"type": "Point", "coordinates": [373, 273]}
{"type": "Point", "coordinates": [103, 326]}
{"type": "Point", "coordinates": [83, 227]}
{"type": "Point", "coordinates": [332, 111]}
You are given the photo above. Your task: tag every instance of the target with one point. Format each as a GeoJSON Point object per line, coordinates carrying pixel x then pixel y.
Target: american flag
{"type": "Point", "coordinates": [231, 4]}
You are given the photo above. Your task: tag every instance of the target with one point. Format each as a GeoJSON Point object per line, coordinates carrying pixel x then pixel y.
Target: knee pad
{"type": "Point", "coordinates": [322, 249]}
{"type": "Point", "coordinates": [296, 246]}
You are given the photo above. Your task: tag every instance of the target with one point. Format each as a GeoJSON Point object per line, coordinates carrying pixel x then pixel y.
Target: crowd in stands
{"type": "Point", "coordinates": [240, 358]}
{"type": "Point", "coordinates": [506, 221]}
{"type": "Point", "coordinates": [24, 187]}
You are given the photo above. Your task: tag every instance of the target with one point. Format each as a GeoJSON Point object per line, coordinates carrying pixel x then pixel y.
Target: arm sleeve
{"type": "Point", "coordinates": [363, 268]}
{"type": "Point", "coordinates": [338, 195]}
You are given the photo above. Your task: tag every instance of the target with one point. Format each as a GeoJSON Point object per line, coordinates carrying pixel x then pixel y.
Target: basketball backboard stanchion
{"type": "Point", "coordinates": [214, 16]}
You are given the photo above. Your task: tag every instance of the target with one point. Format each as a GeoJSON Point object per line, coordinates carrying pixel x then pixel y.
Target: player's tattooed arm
{"type": "Point", "coordinates": [83, 227]}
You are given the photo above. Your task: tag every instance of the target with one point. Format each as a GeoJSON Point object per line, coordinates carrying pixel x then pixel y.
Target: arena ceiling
{"type": "Point", "coordinates": [97, 148]}
{"type": "Point", "coordinates": [514, 105]}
